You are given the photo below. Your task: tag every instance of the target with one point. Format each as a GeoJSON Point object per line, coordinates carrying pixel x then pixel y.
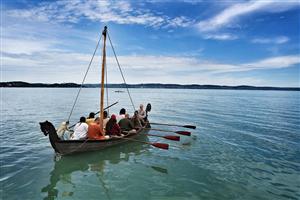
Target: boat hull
{"type": "Point", "coordinates": [66, 147]}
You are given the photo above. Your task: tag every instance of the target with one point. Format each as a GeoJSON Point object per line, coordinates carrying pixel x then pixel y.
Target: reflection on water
{"type": "Point", "coordinates": [95, 162]}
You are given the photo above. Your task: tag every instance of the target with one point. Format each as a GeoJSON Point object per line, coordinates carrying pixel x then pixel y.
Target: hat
{"type": "Point", "coordinates": [113, 116]}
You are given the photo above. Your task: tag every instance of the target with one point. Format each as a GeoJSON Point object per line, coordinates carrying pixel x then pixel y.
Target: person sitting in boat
{"type": "Point", "coordinates": [121, 115]}
{"type": "Point", "coordinates": [112, 127]}
{"type": "Point", "coordinates": [142, 112]}
{"type": "Point", "coordinates": [91, 118]}
{"type": "Point", "coordinates": [105, 119]}
{"type": "Point", "coordinates": [137, 121]}
{"type": "Point", "coordinates": [126, 125]}
{"type": "Point", "coordinates": [95, 131]}
{"type": "Point", "coordinates": [62, 129]}
{"type": "Point", "coordinates": [80, 130]}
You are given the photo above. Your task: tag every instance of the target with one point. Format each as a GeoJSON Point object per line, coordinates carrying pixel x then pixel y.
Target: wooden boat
{"type": "Point", "coordinates": [65, 147]}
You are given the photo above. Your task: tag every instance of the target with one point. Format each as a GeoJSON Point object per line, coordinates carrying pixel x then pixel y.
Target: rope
{"type": "Point", "coordinates": [121, 71]}
{"type": "Point", "coordinates": [84, 78]}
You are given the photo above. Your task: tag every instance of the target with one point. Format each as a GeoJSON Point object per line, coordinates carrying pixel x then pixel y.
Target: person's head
{"type": "Point", "coordinates": [105, 114]}
{"type": "Point", "coordinates": [141, 106]}
{"type": "Point", "coordinates": [136, 113]}
{"type": "Point", "coordinates": [127, 116]}
{"type": "Point", "coordinates": [82, 119]}
{"type": "Point", "coordinates": [122, 111]}
{"type": "Point", "coordinates": [92, 115]}
{"type": "Point", "coordinates": [97, 120]}
{"type": "Point", "coordinates": [113, 118]}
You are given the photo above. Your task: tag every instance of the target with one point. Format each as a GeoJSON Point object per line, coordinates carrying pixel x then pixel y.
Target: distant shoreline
{"type": "Point", "coordinates": [21, 84]}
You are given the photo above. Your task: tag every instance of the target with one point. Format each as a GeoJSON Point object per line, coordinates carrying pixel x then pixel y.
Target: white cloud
{"type": "Point", "coordinates": [220, 36]}
{"type": "Point", "coordinates": [234, 12]}
{"type": "Point", "coordinates": [274, 62]}
{"type": "Point", "coordinates": [120, 12]}
{"type": "Point", "coordinates": [69, 67]}
{"type": "Point", "coordinates": [22, 46]}
{"type": "Point", "coordinates": [276, 40]}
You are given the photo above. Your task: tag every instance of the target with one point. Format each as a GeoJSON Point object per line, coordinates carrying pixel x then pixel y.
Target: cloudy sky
{"type": "Point", "coordinates": [202, 42]}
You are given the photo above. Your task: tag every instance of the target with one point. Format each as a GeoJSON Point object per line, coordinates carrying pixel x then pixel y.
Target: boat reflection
{"type": "Point", "coordinates": [65, 166]}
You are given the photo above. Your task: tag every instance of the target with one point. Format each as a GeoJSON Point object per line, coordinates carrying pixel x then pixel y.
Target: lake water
{"type": "Point", "coordinates": [246, 146]}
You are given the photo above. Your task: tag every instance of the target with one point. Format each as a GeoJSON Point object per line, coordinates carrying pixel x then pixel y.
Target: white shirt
{"type": "Point", "coordinates": [119, 117]}
{"type": "Point", "coordinates": [80, 131]}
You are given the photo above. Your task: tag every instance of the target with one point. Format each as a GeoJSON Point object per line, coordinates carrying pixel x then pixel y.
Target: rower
{"type": "Point", "coordinates": [126, 125]}
{"type": "Point", "coordinates": [94, 130]}
{"type": "Point", "coordinates": [142, 112]}
{"type": "Point", "coordinates": [80, 130]}
{"type": "Point", "coordinates": [137, 121]}
{"type": "Point", "coordinates": [121, 114]}
{"type": "Point", "coordinates": [112, 127]}
{"type": "Point", "coordinates": [105, 119]}
{"type": "Point", "coordinates": [91, 118]}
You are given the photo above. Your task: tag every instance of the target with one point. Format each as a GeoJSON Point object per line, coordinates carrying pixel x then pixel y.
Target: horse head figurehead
{"type": "Point", "coordinates": [47, 127]}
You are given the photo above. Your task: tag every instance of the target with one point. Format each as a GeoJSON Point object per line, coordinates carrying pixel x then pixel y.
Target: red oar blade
{"type": "Point", "coordinates": [161, 145]}
{"type": "Point", "coordinates": [172, 137]}
{"type": "Point", "coordinates": [187, 133]}
{"type": "Point", "coordinates": [189, 126]}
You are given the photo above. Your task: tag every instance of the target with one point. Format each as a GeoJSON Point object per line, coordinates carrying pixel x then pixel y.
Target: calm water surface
{"type": "Point", "coordinates": [246, 146]}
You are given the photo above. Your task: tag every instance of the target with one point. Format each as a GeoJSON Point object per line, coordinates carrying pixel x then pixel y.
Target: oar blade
{"type": "Point", "coordinates": [187, 133]}
{"type": "Point", "coordinates": [189, 126]}
{"type": "Point", "coordinates": [160, 145]}
{"type": "Point", "coordinates": [172, 137]}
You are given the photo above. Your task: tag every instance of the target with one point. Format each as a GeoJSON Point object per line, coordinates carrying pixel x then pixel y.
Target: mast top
{"type": "Point", "coordinates": [104, 31]}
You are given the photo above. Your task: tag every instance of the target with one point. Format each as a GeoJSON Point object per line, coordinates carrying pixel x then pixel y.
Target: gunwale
{"type": "Point", "coordinates": [68, 146]}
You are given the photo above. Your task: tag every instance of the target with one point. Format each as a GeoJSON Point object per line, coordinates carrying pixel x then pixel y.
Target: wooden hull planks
{"type": "Point", "coordinates": [66, 147]}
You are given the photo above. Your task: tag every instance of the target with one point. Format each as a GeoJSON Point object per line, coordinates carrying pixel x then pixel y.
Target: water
{"type": "Point", "coordinates": [246, 146]}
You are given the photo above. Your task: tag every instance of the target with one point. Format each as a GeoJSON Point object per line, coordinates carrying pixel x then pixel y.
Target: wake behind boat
{"type": "Point", "coordinates": [105, 139]}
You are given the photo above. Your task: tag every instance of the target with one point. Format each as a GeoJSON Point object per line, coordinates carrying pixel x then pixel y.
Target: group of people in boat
{"type": "Point", "coordinates": [113, 126]}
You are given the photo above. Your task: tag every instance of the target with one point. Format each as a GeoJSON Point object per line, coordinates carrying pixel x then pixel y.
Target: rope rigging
{"type": "Point", "coordinates": [121, 71]}
{"type": "Point", "coordinates": [89, 66]}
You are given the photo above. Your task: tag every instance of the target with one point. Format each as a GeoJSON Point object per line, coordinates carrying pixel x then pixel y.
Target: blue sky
{"type": "Point", "coordinates": [199, 42]}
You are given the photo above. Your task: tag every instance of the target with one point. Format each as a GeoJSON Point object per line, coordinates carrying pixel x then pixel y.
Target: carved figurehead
{"type": "Point", "coordinates": [48, 129]}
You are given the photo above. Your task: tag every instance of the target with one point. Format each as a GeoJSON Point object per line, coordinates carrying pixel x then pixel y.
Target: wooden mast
{"type": "Point", "coordinates": [102, 78]}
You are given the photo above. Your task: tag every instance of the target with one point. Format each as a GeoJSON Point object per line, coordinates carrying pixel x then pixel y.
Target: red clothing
{"type": "Point", "coordinates": [115, 130]}
{"type": "Point", "coordinates": [94, 132]}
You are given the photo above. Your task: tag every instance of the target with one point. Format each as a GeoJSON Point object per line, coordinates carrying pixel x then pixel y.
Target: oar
{"type": "Point", "coordinates": [187, 133]}
{"type": "Point", "coordinates": [184, 126]}
{"type": "Point", "coordinates": [168, 137]}
{"type": "Point", "coordinates": [107, 107]}
{"type": "Point", "coordinates": [98, 112]}
{"type": "Point", "coordinates": [155, 144]}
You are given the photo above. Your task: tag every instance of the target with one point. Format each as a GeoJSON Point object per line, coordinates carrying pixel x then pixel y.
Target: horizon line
{"type": "Point", "coordinates": [179, 84]}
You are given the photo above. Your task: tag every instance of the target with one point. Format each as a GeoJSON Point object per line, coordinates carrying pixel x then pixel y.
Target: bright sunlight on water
{"type": "Point", "coordinates": [246, 146]}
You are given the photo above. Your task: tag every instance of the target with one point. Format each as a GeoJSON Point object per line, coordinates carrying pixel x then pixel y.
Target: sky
{"type": "Point", "coordinates": [157, 41]}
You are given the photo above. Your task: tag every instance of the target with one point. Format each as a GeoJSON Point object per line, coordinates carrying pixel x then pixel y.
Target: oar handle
{"type": "Point", "coordinates": [97, 112]}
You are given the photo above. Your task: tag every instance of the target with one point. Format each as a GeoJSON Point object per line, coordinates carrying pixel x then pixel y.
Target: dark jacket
{"type": "Point", "coordinates": [126, 124]}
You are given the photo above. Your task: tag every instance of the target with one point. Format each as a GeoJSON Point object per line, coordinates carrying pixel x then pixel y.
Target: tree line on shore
{"type": "Point", "coordinates": [143, 85]}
